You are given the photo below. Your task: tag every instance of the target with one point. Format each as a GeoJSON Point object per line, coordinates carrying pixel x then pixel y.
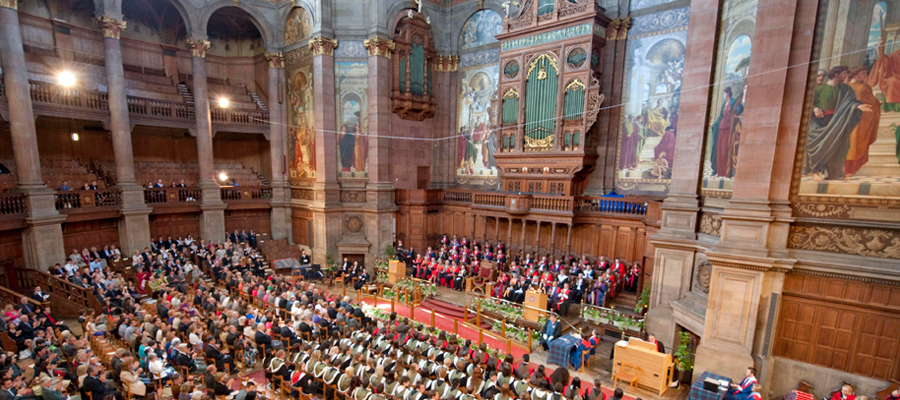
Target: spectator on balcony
{"type": "Point", "coordinates": [86, 256]}
{"type": "Point", "coordinates": [76, 260]}
{"type": "Point", "coordinates": [64, 186]}
{"type": "Point", "coordinates": [93, 186]}
{"type": "Point", "coordinates": [115, 254]}
{"type": "Point", "coordinates": [181, 184]}
{"type": "Point", "coordinates": [159, 184]}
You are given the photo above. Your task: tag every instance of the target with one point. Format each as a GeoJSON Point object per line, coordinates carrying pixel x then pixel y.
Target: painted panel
{"type": "Point", "coordinates": [298, 26]}
{"type": "Point", "coordinates": [301, 118]}
{"type": "Point", "coordinates": [655, 59]}
{"type": "Point", "coordinates": [352, 90]}
{"type": "Point", "coordinates": [480, 29]}
{"type": "Point", "coordinates": [726, 119]}
{"type": "Point", "coordinates": [849, 149]}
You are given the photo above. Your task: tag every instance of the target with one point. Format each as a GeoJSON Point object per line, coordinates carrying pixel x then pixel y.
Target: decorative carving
{"type": "Point", "coordinates": [322, 46]}
{"type": "Point", "coordinates": [354, 223]}
{"type": "Point", "coordinates": [302, 194]}
{"type": "Point", "coordinates": [625, 24]}
{"type": "Point", "coordinates": [14, 4]}
{"type": "Point", "coordinates": [855, 241]}
{"type": "Point", "coordinates": [711, 224]}
{"type": "Point", "coordinates": [612, 31]}
{"type": "Point", "coordinates": [111, 27]}
{"type": "Point", "coordinates": [539, 144]}
{"type": "Point", "coordinates": [446, 63]}
{"type": "Point", "coordinates": [275, 60]}
{"type": "Point", "coordinates": [822, 210]}
{"type": "Point", "coordinates": [299, 55]}
{"type": "Point", "coordinates": [198, 47]}
{"type": "Point", "coordinates": [380, 47]}
{"type": "Point", "coordinates": [355, 196]}
{"type": "Point", "coordinates": [595, 99]}
{"type": "Point", "coordinates": [547, 37]}
{"type": "Point", "coordinates": [703, 275]}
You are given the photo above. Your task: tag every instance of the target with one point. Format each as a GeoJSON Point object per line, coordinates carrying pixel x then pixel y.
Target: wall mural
{"type": "Point", "coordinates": [351, 81]}
{"type": "Point", "coordinates": [850, 146]}
{"type": "Point", "coordinates": [655, 59]}
{"type": "Point", "coordinates": [479, 74]}
{"type": "Point", "coordinates": [298, 26]}
{"type": "Point", "coordinates": [723, 134]}
{"type": "Point", "coordinates": [301, 118]}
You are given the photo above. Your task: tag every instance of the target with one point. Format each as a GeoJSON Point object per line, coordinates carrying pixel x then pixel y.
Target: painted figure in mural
{"type": "Point", "coordinates": [666, 147]}
{"type": "Point", "coordinates": [866, 131]}
{"type": "Point", "coordinates": [297, 27]}
{"type": "Point", "coordinates": [466, 150]}
{"type": "Point", "coordinates": [886, 70]}
{"type": "Point", "coordinates": [722, 129]}
{"type": "Point", "coordinates": [488, 148]}
{"type": "Point", "coordinates": [632, 142]}
{"type": "Point", "coordinates": [836, 113]}
{"type": "Point", "coordinates": [361, 152]}
{"type": "Point", "coordinates": [304, 139]}
{"type": "Point", "coordinates": [820, 76]}
{"type": "Point", "coordinates": [656, 118]}
{"type": "Point", "coordinates": [347, 145]}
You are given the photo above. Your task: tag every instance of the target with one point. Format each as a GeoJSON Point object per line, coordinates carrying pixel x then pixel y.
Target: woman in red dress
{"type": "Point", "coordinates": [142, 278]}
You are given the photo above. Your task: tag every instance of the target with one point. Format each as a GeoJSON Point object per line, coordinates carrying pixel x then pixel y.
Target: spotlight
{"type": "Point", "coordinates": [74, 137]}
{"type": "Point", "coordinates": [66, 78]}
{"type": "Point", "coordinates": [223, 102]}
{"type": "Point", "coordinates": [223, 177]}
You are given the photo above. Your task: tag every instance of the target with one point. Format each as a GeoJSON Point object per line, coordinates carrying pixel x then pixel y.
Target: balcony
{"type": "Point", "coordinates": [12, 206]}
{"type": "Point", "coordinates": [246, 197]}
{"type": "Point", "coordinates": [173, 199]}
{"type": "Point", "coordinates": [79, 202]}
{"type": "Point", "coordinates": [49, 99]}
{"type": "Point", "coordinates": [514, 203]}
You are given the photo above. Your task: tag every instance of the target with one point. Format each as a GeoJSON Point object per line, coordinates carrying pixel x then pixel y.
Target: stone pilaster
{"type": "Point", "coordinates": [134, 228]}
{"type": "Point", "coordinates": [281, 196]}
{"type": "Point", "coordinates": [327, 217]}
{"type": "Point", "coordinates": [675, 243]}
{"type": "Point", "coordinates": [43, 237]}
{"type": "Point", "coordinates": [212, 220]}
{"type": "Point", "coordinates": [443, 153]}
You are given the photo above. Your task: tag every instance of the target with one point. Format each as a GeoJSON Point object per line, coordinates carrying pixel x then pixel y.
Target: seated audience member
{"type": "Point", "coordinates": [742, 391]}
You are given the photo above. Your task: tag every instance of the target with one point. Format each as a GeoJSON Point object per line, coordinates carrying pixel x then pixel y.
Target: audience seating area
{"type": "Point", "coordinates": [148, 172]}
{"type": "Point", "coordinates": [55, 172]}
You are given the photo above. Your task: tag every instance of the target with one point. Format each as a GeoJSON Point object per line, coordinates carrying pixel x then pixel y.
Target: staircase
{"type": "Point", "coordinates": [258, 101]}
{"type": "Point", "coordinates": [450, 310]}
{"type": "Point", "coordinates": [186, 93]}
{"type": "Point", "coordinates": [67, 299]}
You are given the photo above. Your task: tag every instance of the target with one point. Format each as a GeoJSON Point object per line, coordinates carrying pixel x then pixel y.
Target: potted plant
{"type": "Point", "coordinates": [643, 301]}
{"type": "Point", "coordinates": [684, 358]}
{"type": "Point", "coordinates": [389, 252]}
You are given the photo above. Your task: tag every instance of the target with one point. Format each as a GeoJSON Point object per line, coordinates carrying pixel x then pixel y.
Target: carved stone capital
{"type": "Point", "coordinates": [14, 4]}
{"type": "Point", "coordinates": [275, 60]}
{"type": "Point", "coordinates": [321, 45]}
{"type": "Point", "coordinates": [623, 28]}
{"type": "Point", "coordinates": [446, 63]}
{"type": "Point", "coordinates": [198, 47]}
{"type": "Point", "coordinates": [111, 27]}
{"type": "Point", "coordinates": [381, 47]}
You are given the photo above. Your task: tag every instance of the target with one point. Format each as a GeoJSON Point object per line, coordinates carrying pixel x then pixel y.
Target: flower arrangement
{"type": "Point", "coordinates": [608, 316]}
{"type": "Point", "coordinates": [510, 311]}
{"type": "Point", "coordinates": [409, 285]}
{"type": "Point", "coordinates": [643, 301]}
{"type": "Point", "coordinates": [516, 332]}
{"type": "Point", "coordinates": [684, 357]}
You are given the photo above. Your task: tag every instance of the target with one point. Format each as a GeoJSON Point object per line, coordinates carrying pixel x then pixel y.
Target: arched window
{"type": "Point", "coordinates": [540, 102]}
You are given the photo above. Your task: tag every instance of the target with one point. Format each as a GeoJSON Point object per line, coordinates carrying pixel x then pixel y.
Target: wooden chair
{"type": "Point", "coordinates": [627, 373]}
{"type": "Point", "coordinates": [479, 282]}
{"type": "Point", "coordinates": [585, 359]}
{"type": "Point", "coordinates": [892, 386]}
{"type": "Point", "coordinates": [286, 388]}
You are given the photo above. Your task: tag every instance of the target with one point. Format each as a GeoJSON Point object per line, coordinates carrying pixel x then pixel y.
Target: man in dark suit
{"type": "Point", "coordinates": [182, 358]}
{"type": "Point", "coordinates": [262, 338]}
{"type": "Point", "coordinates": [363, 280]}
{"type": "Point", "coordinates": [288, 336]}
{"type": "Point", "coordinates": [25, 307]}
{"type": "Point", "coordinates": [15, 389]}
{"type": "Point", "coordinates": [162, 310]}
{"type": "Point", "coordinates": [552, 330]}
{"type": "Point", "coordinates": [224, 362]}
{"type": "Point", "coordinates": [95, 384]}
{"type": "Point", "coordinates": [39, 295]}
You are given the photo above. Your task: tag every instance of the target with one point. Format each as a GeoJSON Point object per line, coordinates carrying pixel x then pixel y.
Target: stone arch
{"type": "Point", "coordinates": [285, 19]}
{"type": "Point", "coordinates": [398, 10]}
{"type": "Point", "coordinates": [259, 20]}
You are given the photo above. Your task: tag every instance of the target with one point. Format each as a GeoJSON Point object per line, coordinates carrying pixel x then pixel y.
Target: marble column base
{"type": "Point", "coordinates": [212, 223]}
{"type": "Point", "coordinates": [673, 266]}
{"type": "Point", "coordinates": [281, 222]}
{"type": "Point", "coordinates": [327, 228]}
{"type": "Point", "coordinates": [727, 361]}
{"type": "Point", "coordinates": [43, 242]}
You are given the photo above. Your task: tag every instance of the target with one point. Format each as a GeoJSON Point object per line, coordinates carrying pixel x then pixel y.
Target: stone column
{"type": "Point", "coordinates": [552, 238]}
{"type": "Point", "coordinates": [509, 235]}
{"type": "Point", "coordinates": [134, 227]}
{"type": "Point", "coordinates": [281, 199]}
{"type": "Point", "coordinates": [751, 259]}
{"type": "Point", "coordinates": [675, 243]}
{"type": "Point", "coordinates": [42, 238]}
{"type": "Point", "coordinates": [212, 219]}
{"type": "Point", "coordinates": [443, 157]}
{"type": "Point", "coordinates": [537, 239]}
{"type": "Point", "coordinates": [569, 239]}
{"type": "Point", "coordinates": [327, 216]}
{"type": "Point", "coordinates": [496, 229]}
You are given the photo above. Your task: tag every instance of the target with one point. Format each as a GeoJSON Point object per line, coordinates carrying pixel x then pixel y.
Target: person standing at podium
{"type": "Point", "coordinates": [552, 330]}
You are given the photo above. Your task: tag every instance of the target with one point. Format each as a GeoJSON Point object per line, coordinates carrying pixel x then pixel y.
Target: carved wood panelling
{"type": "Point", "coordinates": [87, 234]}
{"type": "Point", "coordinates": [175, 225]}
{"type": "Point", "coordinates": [843, 290]}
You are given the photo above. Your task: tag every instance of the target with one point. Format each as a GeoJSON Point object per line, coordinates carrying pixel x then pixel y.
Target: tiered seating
{"type": "Point", "coordinates": [151, 84]}
{"type": "Point", "coordinates": [278, 250]}
{"type": "Point", "coordinates": [55, 172]}
{"type": "Point", "coordinates": [237, 96]}
{"type": "Point", "coordinates": [149, 171]}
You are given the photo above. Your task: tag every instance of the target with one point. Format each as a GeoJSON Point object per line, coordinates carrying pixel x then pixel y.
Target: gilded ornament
{"type": "Point", "coordinates": [198, 47]}
{"type": "Point", "coordinates": [321, 45]}
{"type": "Point", "coordinates": [111, 27]}
{"type": "Point", "coordinates": [275, 60]}
{"type": "Point", "coordinates": [380, 47]}
{"type": "Point", "coordinates": [861, 242]}
{"type": "Point", "coordinates": [14, 4]}
{"type": "Point", "coordinates": [623, 28]}
{"type": "Point", "coordinates": [539, 144]}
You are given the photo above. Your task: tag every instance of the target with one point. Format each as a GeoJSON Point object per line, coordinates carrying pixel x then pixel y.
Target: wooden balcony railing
{"type": "Point", "coordinates": [236, 116]}
{"type": "Point", "coordinates": [523, 203]}
{"type": "Point", "coordinates": [246, 193]}
{"type": "Point", "coordinates": [58, 289]}
{"type": "Point", "coordinates": [12, 205]}
{"type": "Point", "coordinates": [8, 296]}
{"type": "Point", "coordinates": [174, 196]}
{"type": "Point", "coordinates": [159, 108]}
{"type": "Point", "coordinates": [611, 205]}
{"type": "Point", "coordinates": [44, 92]}
{"type": "Point", "coordinates": [87, 200]}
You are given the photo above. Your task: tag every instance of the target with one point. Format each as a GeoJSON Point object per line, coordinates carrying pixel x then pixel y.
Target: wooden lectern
{"type": "Point", "coordinates": [396, 271]}
{"type": "Point", "coordinates": [654, 369]}
{"type": "Point", "coordinates": [534, 300]}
